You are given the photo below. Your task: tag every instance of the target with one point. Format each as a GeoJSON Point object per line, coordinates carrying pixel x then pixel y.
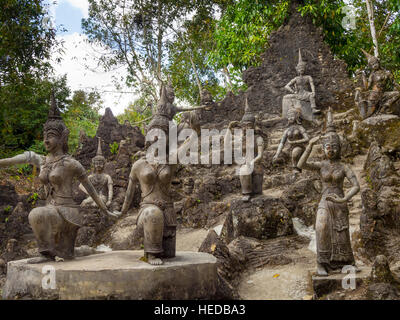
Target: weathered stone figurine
{"type": "Point", "coordinates": [157, 217]}
{"type": "Point", "coordinates": [298, 87]}
{"type": "Point", "coordinates": [296, 136]}
{"type": "Point", "coordinates": [55, 225]}
{"type": "Point", "coordinates": [378, 95]}
{"type": "Point", "coordinates": [101, 181]}
{"type": "Point", "coordinates": [332, 224]}
{"type": "Point", "coordinates": [252, 172]}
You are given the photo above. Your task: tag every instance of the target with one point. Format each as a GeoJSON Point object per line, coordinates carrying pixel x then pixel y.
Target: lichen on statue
{"type": "Point", "coordinates": [55, 225]}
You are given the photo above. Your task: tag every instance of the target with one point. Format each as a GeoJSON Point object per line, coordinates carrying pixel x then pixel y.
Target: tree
{"type": "Point", "coordinates": [82, 113]}
{"type": "Point", "coordinates": [135, 34]}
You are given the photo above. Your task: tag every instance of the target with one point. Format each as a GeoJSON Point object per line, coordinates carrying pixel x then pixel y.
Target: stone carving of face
{"type": "Point", "coordinates": [52, 141]}
{"type": "Point", "coordinates": [332, 150]}
{"type": "Point", "coordinates": [170, 95]}
{"type": "Point", "coordinates": [291, 116]}
{"type": "Point", "coordinates": [301, 68]}
{"type": "Point", "coordinates": [98, 165]}
{"type": "Point", "coordinates": [374, 64]}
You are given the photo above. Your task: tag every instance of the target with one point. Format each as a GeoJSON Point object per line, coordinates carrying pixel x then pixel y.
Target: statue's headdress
{"type": "Point", "coordinates": [330, 134]}
{"type": "Point", "coordinates": [161, 120]}
{"type": "Point", "coordinates": [301, 62]}
{"type": "Point", "coordinates": [371, 58]}
{"type": "Point", "coordinates": [56, 124]}
{"type": "Point", "coordinates": [248, 115]}
{"type": "Point", "coordinates": [99, 153]}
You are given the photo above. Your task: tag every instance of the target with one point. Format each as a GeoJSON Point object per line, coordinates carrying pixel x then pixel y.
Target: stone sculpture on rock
{"type": "Point", "coordinates": [332, 223]}
{"type": "Point", "coordinates": [300, 97]}
{"type": "Point", "coordinates": [252, 172]}
{"type": "Point", "coordinates": [101, 181]}
{"type": "Point", "coordinates": [55, 225]}
{"type": "Point", "coordinates": [157, 217]}
{"type": "Point", "coordinates": [377, 95]}
{"type": "Point", "coordinates": [296, 136]}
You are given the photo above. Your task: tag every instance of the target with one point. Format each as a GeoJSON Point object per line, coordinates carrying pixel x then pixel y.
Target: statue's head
{"type": "Point", "coordinates": [248, 120]}
{"type": "Point", "coordinates": [331, 140]}
{"type": "Point", "coordinates": [294, 116]}
{"type": "Point", "coordinates": [373, 62]}
{"type": "Point", "coordinates": [168, 92]}
{"type": "Point", "coordinates": [99, 161]}
{"type": "Point", "coordinates": [55, 133]}
{"type": "Point", "coordinates": [301, 65]}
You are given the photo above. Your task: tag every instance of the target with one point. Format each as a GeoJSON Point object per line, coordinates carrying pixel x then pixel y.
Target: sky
{"type": "Point", "coordinates": [78, 54]}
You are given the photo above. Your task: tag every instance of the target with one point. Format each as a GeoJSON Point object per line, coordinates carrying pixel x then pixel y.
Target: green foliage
{"type": "Point", "coordinates": [7, 209]}
{"type": "Point", "coordinates": [114, 147]}
{"type": "Point", "coordinates": [82, 114]}
{"type": "Point", "coordinates": [242, 33]}
{"type": "Point", "coordinates": [33, 198]}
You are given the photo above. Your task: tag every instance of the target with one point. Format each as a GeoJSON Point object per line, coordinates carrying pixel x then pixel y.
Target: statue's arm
{"type": "Point", "coordinates": [110, 190]}
{"type": "Point", "coordinates": [130, 192]}
{"type": "Point", "coordinates": [370, 81]}
{"type": "Point", "coordinates": [281, 144]}
{"type": "Point", "coordinates": [288, 87]}
{"type": "Point", "coordinates": [354, 182]}
{"type": "Point", "coordinates": [260, 149]}
{"type": "Point", "coordinates": [29, 157]}
{"type": "Point", "coordinates": [303, 163]}
{"type": "Point", "coordinates": [82, 188]}
{"type": "Point", "coordinates": [310, 79]}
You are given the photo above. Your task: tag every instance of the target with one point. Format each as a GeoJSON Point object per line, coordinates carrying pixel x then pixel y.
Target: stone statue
{"type": "Point", "coordinates": [157, 217]}
{"type": "Point", "coordinates": [101, 181]}
{"type": "Point", "coordinates": [299, 93]}
{"type": "Point", "coordinates": [377, 96]}
{"type": "Point", "coordinates": [296, 136]}
{"type": "Point", "coordinates": [55, 225]}
{"type": "Point", "coordinates": [332, 223]}
{"type": "Point", "coordinates": [252, 172]}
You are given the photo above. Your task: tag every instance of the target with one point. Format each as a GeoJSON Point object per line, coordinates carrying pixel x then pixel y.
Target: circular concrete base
{"type": "Point", "coordinates": [114, 275]}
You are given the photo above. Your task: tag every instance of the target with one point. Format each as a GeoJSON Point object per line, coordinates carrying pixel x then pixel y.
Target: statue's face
{"type": "Point", "coordinates": [291, 118]}
{"type": "Point", "coordinates": [52, 141]}
{"type": "Point", "coordinates": [332, 150]}
{"type": "Point", "coordinates": [374, 65]}
{"type": "Point", "coordinates": [301, 69]}
{"type": "Point", "coordinates": [98, 165]}
{"type": "Point", "coordinates": [170, 95]}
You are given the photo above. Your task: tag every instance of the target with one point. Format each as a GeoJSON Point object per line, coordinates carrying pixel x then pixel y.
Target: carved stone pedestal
{"type": "Point", "coordinates": [114, 275]}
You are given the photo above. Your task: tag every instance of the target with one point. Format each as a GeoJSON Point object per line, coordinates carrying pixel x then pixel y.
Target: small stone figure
{"type": "Point", "coordinates": [296, 136]}
{"type": "Point", "coordinates": [55, 225]}
{"type": "Point", "coordinates": [101, 181]}
{"type": "Point", "coordinates": [299, 93]}
{"type": "Point", "coordinates": [252, 172]}
{"type": "Point", "coordinates": [157, 217]}
{"type": "Point", "coordinates": [332, 224]}
{"type": "Point", "coordinates": [378, 95]}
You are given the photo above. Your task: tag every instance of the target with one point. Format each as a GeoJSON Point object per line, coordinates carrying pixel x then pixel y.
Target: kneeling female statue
{"type": "Point", "coordinates": [55, 225]}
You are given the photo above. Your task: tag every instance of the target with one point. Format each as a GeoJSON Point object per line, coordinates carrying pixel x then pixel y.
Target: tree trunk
{"type": "Point", "coordinates": [370, 10]}
{"type": "Point", "coordinates": [228, 78]}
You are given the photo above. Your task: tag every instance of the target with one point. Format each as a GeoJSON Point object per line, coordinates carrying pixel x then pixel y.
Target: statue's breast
{"type": "Point", "coordinates": [332, 174]}
{"type": "Point", "coordinates": [56, 176]}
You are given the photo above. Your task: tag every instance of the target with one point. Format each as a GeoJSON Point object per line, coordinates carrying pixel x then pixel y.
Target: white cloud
{"type": "Point", "coordinates": [77, 58]}
{"type": "Point", "coordinates": [83, 5]}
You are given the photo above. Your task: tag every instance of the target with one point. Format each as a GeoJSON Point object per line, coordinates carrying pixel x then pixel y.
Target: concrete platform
{"type": "Point", "coordinates": [114, 275]}
{"type": "Point", "coordinates": [325, 285]}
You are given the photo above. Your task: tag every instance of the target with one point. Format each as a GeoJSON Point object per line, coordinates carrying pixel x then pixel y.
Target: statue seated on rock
{"type": "Point", "coordinates": [300, 97]}
{"type": "Point", "coordinates": [296, 136]}
{"type": "Point", "coordinates": [55, 225]}
{"type": "Point", "coordinates": [377, 95]}
{"type": "Point", "coordinates": [251, 172]}
{"type": "Point", "coordinates": [332, 223]}
{"type": "Point", "coordinates": [101, 181]}
{"type": "Point", "coordinates": [157, 216]}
